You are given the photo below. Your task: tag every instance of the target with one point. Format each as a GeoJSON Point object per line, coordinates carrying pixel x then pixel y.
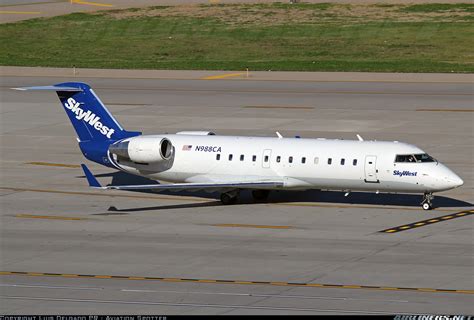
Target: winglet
{"type": "Point", "coordinates": [93, 183]}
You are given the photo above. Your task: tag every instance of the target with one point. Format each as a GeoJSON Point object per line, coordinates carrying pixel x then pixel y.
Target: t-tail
{"type": "Point", "coordinates": [96, 128]}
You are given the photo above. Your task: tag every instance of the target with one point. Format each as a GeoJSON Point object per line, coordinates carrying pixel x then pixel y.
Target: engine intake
{"type": "Point", "coordinates": [143, 150]}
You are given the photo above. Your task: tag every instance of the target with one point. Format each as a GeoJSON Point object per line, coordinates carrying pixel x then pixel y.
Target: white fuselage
{"type": "Point", "coordinates": [300, 163]}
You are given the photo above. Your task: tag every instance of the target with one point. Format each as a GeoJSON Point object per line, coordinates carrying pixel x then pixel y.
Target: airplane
{"type": "Point", "coordinates": [201, 160]}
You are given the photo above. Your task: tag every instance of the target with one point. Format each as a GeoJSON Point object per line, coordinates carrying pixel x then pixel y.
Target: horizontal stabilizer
{"type": "Point", "coordinates": [90, 178]}
{"type": "Point", "coordinates": [50, 88]}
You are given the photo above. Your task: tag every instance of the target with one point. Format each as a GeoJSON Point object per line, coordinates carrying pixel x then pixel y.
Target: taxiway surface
{"type": "Point", "coordinates": [312, 252]}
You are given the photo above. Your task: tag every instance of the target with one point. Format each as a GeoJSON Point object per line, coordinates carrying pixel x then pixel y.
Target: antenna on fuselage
{"type": "Point", "coordinates": [279, 135]}
{"type": "Point", "coordinates": [359, 137]}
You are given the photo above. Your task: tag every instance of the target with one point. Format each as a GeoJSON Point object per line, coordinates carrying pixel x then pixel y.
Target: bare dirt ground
{"type": "Point", "coordinates": [16, 10]}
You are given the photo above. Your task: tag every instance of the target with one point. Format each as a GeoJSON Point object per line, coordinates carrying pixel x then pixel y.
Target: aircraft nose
{"type": "Point", "coordinates": [453, 180]}
{"type": "Point", "coordinates": [456, 181]}
{"type": "Point", "coordinates": [446, 179]}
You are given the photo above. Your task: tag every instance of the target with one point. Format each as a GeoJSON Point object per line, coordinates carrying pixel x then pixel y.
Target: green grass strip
{"type": "Point", "coordinates": [304, 37]}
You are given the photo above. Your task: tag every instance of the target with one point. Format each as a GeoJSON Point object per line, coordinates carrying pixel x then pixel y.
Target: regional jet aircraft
{"type": "Point", "coordinates": [201, 160]}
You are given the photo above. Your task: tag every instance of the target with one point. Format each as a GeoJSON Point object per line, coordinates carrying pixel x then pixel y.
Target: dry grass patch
{"type": "Point", "coordinates": [281, 14]}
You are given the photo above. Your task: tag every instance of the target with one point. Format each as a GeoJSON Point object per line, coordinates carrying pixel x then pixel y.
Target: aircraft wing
{"type": "Point", "coordinates": [209, 186]}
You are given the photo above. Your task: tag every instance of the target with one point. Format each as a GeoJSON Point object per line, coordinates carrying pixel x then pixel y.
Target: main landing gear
{"type": "Point", "coordinates": [427, 204]}
{"type": "Point", "coordinates": [231, 197]}
{"type": "Point", "coordinates": [260, 195]}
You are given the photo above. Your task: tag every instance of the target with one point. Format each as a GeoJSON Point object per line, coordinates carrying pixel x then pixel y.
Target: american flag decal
{"type": "Point", "coordinates": [187, 147]}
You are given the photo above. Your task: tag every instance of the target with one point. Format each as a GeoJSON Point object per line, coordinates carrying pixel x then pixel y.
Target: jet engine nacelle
{"type": "Point", "coordinates": [143, 149]}
{"type": "Point", "coordinates": [197, 133]}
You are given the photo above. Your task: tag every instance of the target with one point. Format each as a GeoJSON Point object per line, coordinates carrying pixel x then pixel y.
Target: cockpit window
{"type": "Point", "coordinates": [405, 158]}
{"type": "Point", "coordinates": [422, 157]}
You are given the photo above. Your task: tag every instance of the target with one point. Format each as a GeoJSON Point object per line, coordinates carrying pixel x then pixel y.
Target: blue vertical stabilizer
{"type": "Point", "coordinates": [96, 128]}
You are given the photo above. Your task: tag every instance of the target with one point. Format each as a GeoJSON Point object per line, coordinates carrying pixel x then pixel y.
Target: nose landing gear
{"type": "Point", "coordinates": [427, 204]}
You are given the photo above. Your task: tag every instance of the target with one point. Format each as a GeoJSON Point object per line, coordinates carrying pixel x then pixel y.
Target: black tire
{"type": "Point", "coordinates": [426, 206]}
{"type": "Point", "coordinates": [227, 199]}
{"type": "Point", "coordinates": [260, 194]}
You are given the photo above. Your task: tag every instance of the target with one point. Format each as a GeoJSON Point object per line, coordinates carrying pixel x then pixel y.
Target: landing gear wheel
{"type": "Point", "coordinates": [427, 204]}
{"type": "Point", "coordinates": [229, 198]}
{"type": "Point", "coordinates": [260, 194]}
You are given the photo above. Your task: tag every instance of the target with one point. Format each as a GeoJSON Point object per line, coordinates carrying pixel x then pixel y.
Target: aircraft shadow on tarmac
{"type": "Point", "coordinates": [317, 196]}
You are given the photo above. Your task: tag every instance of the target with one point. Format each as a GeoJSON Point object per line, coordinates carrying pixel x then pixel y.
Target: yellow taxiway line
{"type": "Point", "coordinates": [223, 76]}
{"type": "Point", "coordinates": [92, 3]}
{"type": "Point", "coordinates": [19, 12]}
{"type": "Point", "coordinates": [50, 164]}
{"type": "Point", "coordinates": [32, 216]}
{"type": "Point", "coordinates": [422, 223]}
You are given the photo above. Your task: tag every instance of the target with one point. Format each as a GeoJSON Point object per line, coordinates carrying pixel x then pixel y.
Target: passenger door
{"type": "Point", "coordinates": [371, 169]}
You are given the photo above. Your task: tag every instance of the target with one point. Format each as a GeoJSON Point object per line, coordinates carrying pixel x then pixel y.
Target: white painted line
{"type": "Point", "coordinates": [263, 295]}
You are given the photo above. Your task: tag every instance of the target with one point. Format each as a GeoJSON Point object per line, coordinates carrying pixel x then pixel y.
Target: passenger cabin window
{"type": "Point", "coordinates": [329, 160]}
{"type": "Point", "coordinates": [241, 157]}
{"type": "Point", "coordinates": [278, 159]}
{"type": "Point", "coordinates": [354, 162]}
{"type": "Point", "coordinates": [343, 161]}
{"type": "Point", "coordinates": [266, 159]}
{"type": "Point", "coordinates": [254, 158]}
{"type": "Point", "coordinates": [316, 160]}
{"type": "Point", "coordinates": [290, 159]}
{"type": "Point", "coordinates": [422, 157]}
{"type": "Point", "coordinates": [230, 157]}
{"type": "Point", "coordinates": [303, 160]}
{"type": "Point", "coordinates": [218, 156]}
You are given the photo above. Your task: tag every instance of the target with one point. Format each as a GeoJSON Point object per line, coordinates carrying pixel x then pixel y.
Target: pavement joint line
{"type": "Point", "coordinates": [51, 164]}
{"type": "Point", "coordinates": [445, 110]}
{"type": "Point", "coordinates": [346, 206]}
{"type": "Point", "coordinates": [180, 198]}
{"type": "Point", "coordinates": [223, 76]}
{"type": "Point", "coordinates": [419, 224]}
{"type": "Point", "coordinates": [241, 282]}
{"type": "Point", "coordinates": [168, 89]}
{"type": "Point", "coordinates": [171, 89]}
{"type": "Point", "coordinates": [101, 76]}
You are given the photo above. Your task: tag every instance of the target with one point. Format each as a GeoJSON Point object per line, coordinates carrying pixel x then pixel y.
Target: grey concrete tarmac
{"type": "Point", "coordinates": [329, 239]}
